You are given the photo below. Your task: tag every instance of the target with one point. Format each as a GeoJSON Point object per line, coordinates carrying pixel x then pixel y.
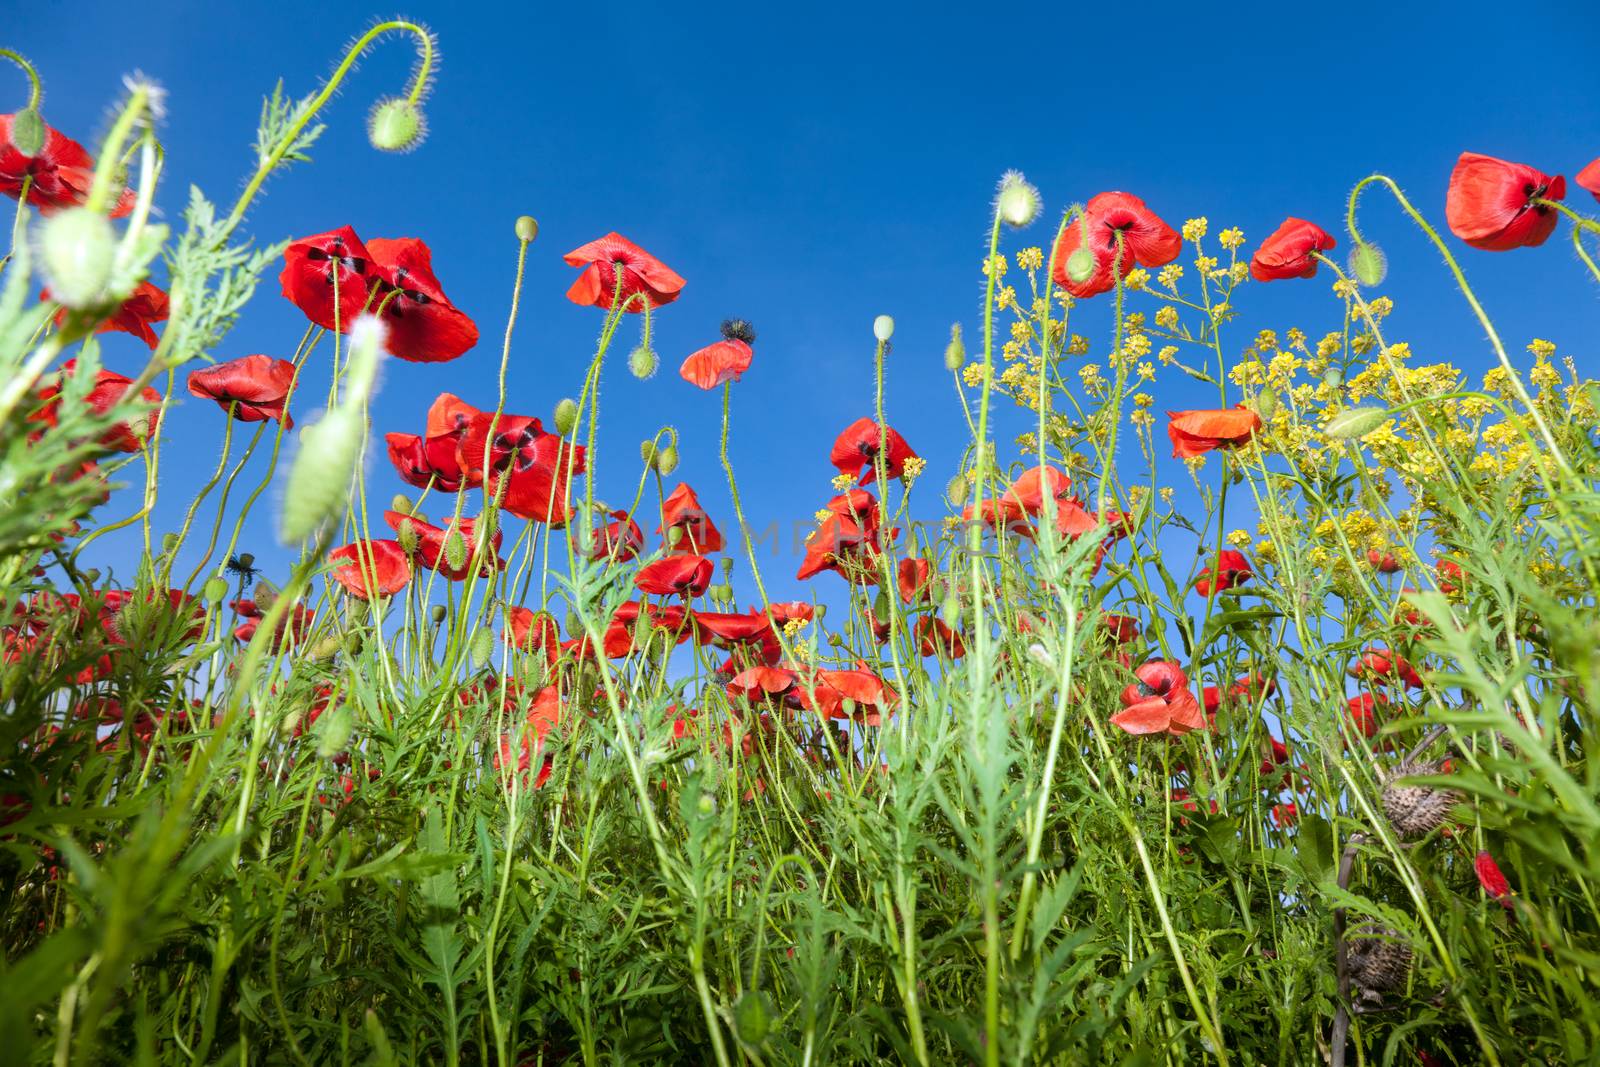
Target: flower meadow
{"type": "Point", "coordinates": [1254, 733]}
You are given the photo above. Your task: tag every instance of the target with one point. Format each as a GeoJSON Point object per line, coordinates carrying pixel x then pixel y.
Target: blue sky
{"type": "Point", "coordinates": [811, 168]}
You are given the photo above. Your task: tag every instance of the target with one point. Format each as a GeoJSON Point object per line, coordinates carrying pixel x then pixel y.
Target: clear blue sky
{"type": "Point", "coordinates": [811, 167]}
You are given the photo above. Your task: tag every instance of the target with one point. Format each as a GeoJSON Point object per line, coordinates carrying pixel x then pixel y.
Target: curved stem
{"type": "Point", "coordinates": [35, 90]}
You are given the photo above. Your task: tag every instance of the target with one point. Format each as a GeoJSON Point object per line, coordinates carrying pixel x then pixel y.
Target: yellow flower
{"type": "Point", "coordinates": [1167, 317]}
{"type": "Point", "coordinates": [1194, 229]}
{"type": "Point", "coordinates": [1231, 238]}
{"type": "Point", "coordinates": [1137, 279]}
{"type": "Point", "coordinates": [1330, 344]}
{"type": "Point", "coordinates": [1238, 538]}
{"type": "Point", "coordinates": [1030, 259]}
{"type": "Point", "coordinates": [1169, 275]}
{"type": "Point", "coordinates": [844, 481]}
{"type": "Point", "coordinates": [1147, 372]}
{"type": "Point", "coordinates": [995, 265]}
{"type": "Point", "coordinates": [1542, 349]}
{"type": "Point", "coordinates": [1005, 298]}
{"type": "Point", "coordinates": [913, 468]}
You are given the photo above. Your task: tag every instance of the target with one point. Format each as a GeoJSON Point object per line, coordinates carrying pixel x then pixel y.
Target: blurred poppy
{"type": "Point", "coordinates": [1285, 814]}
{"type": "Point", "coordinates": [424, 326]}
{"type": "Point", "coordinates": [1288, 252]}
{"type": "Point", "coordinates": [533, 631]}
{"type": "Point", "coordinates": [724, 361]}
{"type": "Point", "coordinates": [935, 638]}
{"type": "Point", "coordinates": [60, 175]}
{"type": "Point", "coordinates": [329, 277]}
{"type": "Point", "coordinates": [1589, 178]}
{"type": "Point", "coordinates": [1228, 570]}
{"type": "Point", "coordinates": [1490, 203]}
{"type": "Point", "coordinates": [1159, 702]}
{"type": "Point", "coordinates": [1385, 666]}
{"type": "Point", "coordinates": [254, 387]}
{"type": "Point", "coordinates": [620, 540]}
{"type": "Point", "coordinates": [1492, 879]}
{"type": "Point", "coordinates": [618, 272]}
{"type": "Point", "coordinates": [856, 449]}
{"type": "Point", "coordinates": [384, 561]}
{"type": "Point", "coordinates": [1382, 562]}
{"type": "Point", "coordinates": [856, 694]}
{"type": "Point", "coordinates": [686, 576]}
{"type": "Point", "coordinates": [1194, 433]}
{"type": "Point", "coordinates": [1363, 713]}
{"type": "Point", "coordinates": [1146, 241]}
{"type": "Point", "coordinates": [109, 390]}
{"type": "Point", "coordinates": [1450, 575]}
{"type": "Point", "coordinates": [682, 511]}
{"type": "Point", "coordinates": [145, 306]}
{"type": "Point", "coordinates": [913, 576]}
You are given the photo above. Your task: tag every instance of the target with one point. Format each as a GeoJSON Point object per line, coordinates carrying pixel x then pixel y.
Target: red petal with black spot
{"type": "Point", "coordinates": [1490, 203]}
{"type": "Point", "coordinates": [617, 272]}
{"type": "Point", "coordinates": [59, 176]}
{"type": "Point", "coordinates": [254, 387]}
{"type": "Point", "coordinates": [329, 276]}
{"type": "Point", "coordinates": [424, 326]}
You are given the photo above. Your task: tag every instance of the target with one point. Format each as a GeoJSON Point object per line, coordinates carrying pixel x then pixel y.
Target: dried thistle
{"type": "Point", "coordinates": [1416, 810]}
{"type": "Point", "coordinates": [1379, 961]}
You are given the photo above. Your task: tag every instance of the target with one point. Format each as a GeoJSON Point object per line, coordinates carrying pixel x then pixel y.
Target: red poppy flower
{"type": "Point", "coordinates": [424, 326]}
{"type": "Point", "coordinates": [686, 576]}
{"type": "Point", "coordinates": [1385, 666]}
{"type": "Point", "coordinates": [1589, 178]}
{"type": "Point", "coordinates": [1363, 713]}
{"type": "Point", "coordinates": [315, 268]}
{"type": "Point", "coordinates": [1450, 575]}
{"type": "Point", "coordinates": [1160, 702]}
{"type": "Point", "coordinates": [1121, 628]}
{"type": "Point", "coordinates": [729, 628]}
{"type": "Point", "coordinates": [620, 539]}
{"type": "Point", "coordinates": [534, 464]}
{"type": "Point", "coordinates": [682, 511]}
{"type": "Point", "coordinates": [1194, 433]}
{"type": "Point", "coordinates": [1382, 562]}
{"type": "Point", "coordinates": [1287, 253]}
{"type": "Point", "coordinates": [934, 638]}
{"type": "Point", "coordinates": [724, 361]}
{"type": "Point", "coordinates": [432, 541]}
{"type": "Point", "coordinates": [1229, 569]}
{"type": "Point", "coordinates": [1490, 203]}
{"type": "Point", "coordinates": [871, 697]}
{"type": "Point", "coordinates": [62, 173]}
{"type": "Point", "coordinates": [849, 540]}
{"type": "Point", "coordinates": [1146, 241]}
{"type": "Point", "coordinates": [1285, 814]}
{"type": "Point", "coordinates": [533, 631]}
{"type": "Point", "coordinates": [109, 390]}
{"type": "Point", "coordinates": [1492, 879]}
{"type": "Point", "coordinates": [767, 683]}
{"type": "Point", "coordinates": [255, 387]}
{"type": "Point", "coordinates": [145, 306]}
{"type": "Point", "coordinates": [791, 610]}
{"type": "Point", "coordinates": [913, 577]}
{"type": "Point", "coordinates": [617, 271]}
{"type": "Point", "coordinates": [433, 459]}
{"type": "Point", "coordinates": [855, 451]}
{"type": "Point", "coordinates": [384, 561]}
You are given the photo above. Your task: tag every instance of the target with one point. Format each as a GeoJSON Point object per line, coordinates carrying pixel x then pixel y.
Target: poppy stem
{"type": "Point", "coordinates": [35, 90]}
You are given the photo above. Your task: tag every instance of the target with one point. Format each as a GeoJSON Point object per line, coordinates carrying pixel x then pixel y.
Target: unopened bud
{"type": "Point", "coordinates": [214, 590]}
{"type": "Point", "coordinates": [482, 647]}
{"type": "Point", "coordinates": [1018, 203]}
{"type": "Point", "coordinates": [27, 131]}
{"type": "Point", "coordinates": [78, 247]}
{"type": "Point", "coordinates": [1355, 422]}
{"type": "Point", "coordinates": [883, 327]}
{"type": "Point", "coordinates": [1266, 404]}
{"type": "Point", "coordinates": [955, 353]}
{"type": "Point", "coordinates": [674, 535]}
{"type": "Point", "coordinates": [408, 537]}
{"type": "Point", "coordinates": [667, 461]}
{"type": "Point", "coordinates": [956, 490]}
{"type": "Point", "coordinates": [396, 125]}
{"type": "Point", "coordinates": [455, 549]}
{"type": "Point", "coordinates": [401, 503]}
{"type": "Point", "coordinates": [566, 415]}
{"type": "Point", "coordinates": [643, 363]}
{"type": "Point", "coordinates": [527, 228]}
{"type": "Point", "coordinates": [750, 1017]}
{"type": "Point", "coordinates": [1080, 265]}
{"type": "Point", "coordinates": [438, 613]}
{"type": "Point", "coordinates": [319, 479]}
{"type": "Point", "coordinates": [1368, 264]}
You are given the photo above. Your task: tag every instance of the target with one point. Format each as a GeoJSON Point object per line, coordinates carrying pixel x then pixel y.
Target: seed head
{"type": "Point", "coordinates": [1415, 810]}
{"type": "Point", "coordinates": [739, 330]}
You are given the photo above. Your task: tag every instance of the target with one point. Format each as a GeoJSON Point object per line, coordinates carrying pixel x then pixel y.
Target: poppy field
{"type": "Point", "coordinates": [1252, 733]}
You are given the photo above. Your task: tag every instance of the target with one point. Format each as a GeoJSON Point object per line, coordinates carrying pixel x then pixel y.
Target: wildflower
{"type": "Point", "coordinates": [1195, 433]}
{"type": "Point", "coordinates": [328, 267]}
{"type": "Point", "coordinates": [525, 467]}
{"type": "Point", "coordinates": [59, 175]}
{"type": "Point", "coordinates": [1490, 203]}
{"type": "Point", "coordinates": [1450, 575]}
{"type": "Point", "coordinates": [913, 576]}
{"type": "Point", "coordinates": [936, 638]}
{"type": "Point", "coordinates": [682, 511]}
{"type": "Point", "coordinates": [424, 326]}
{"type": "Point", "coordinates": [384, 562]}
{"type": "Point", "coordinates": [1385, 666]}
{"type": "Point", "coordinates": [254, 388]}
{"type": "Point", "coordinates": [1382, 562]}
{"type": "Point", "coordinates": [1491, 879]}
{"type": "Point", "coordinates": [856, 694]}
{"type": "Point", "coordinates": [724, 361]}
{"type": "Point", "coordinates": [1288, 253]}
{"type": "Point", "coordinates": [1160, 702]}
{"type": "Point", "coordinates": [684, 575]}
{"type": "Point", "coordinates": [432, 541]}
{"type": "Point", "coordinates": [533, 630]}
{"type": "Point", "coordinates": [849, 540]}
{"type": "Point", "coordinates": [620, 539]}
{"type": "Point", "coordinates": [858, 445]}
{"type": "Point", "coordinates": [1228, 571]}
{"type": "Point", "coordinates": [730, 628]}
{"type": "Point", "coordinates": [617, 272]}
{"type": "Point", "coordinates": [1589, 178]}
{"type": "Point", "coordinates": [108, 391]}
{"type": "Point", "coordinates": [1146, 241]}
{"type": "Point", "coordinates": [1362, 710]}
{"type": "Point", "coordinates": [145, 306]}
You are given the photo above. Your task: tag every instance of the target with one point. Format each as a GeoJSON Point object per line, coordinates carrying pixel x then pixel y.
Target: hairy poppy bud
{"type": "Point", "coordinates": [1018, 203]}
{"type": "Point", "coordinates": [77, 249]}
{"type": "Point", "coordinates": [482, 647]}
{"type": "Point", "coordinates": [320, 476]}
{"type": "Point", "coordinates": [27, 131]}
{"type": "Point", "coordinates": [264, 595]}
{"type": "Point", "coordinates": [667, 461]}
{"type": "Point", "coordinates": [455, 549]}
{"type": "Point", "coordinates": [336, 727]}
{"type": "Point", "coordinates": [527, 228]}
{"type": "Point", "coordinates": [956, 490]}
{"type": "Point", "coordinates": [1333, 377]}
{"type": "Point", "coordinates": [641, 630]}
{"type": "Point", "coordinates": [214, 590]}
{"type": "Point", "coordinates": [566, 415]}
{"type": "Point", "coordinates": [1080, 266]}
{"type": "Point", "coordinates": [1266, 404]}
{"type": "Point", "coordinates": [1368, 264]}
{"type": "Point", "coordinates": [955, 353]}
{"type": "Point", "coordinates": [396, 125]}
{"type": "Point", "coordinates": [643, 363]}
{"type": "Point", "coordinates": [647, 452]}
{"type": "Point", "coordinates": [401, 503]}
{"type": "Point", "coordinates": [883, 327]}
{"type": "Point", "coordinates": [750, 1017]}
{"type": "Point", "coordinates": [950, 610]}
{"type": "Point", "coordinates": [438, 613]}
{"type": "Point", "coordinates": [408, 537]}
{"type": "Point", "coordinates": [1355, 422]}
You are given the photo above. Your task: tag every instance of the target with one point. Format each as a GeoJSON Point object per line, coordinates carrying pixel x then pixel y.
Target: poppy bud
{"type": "Point", "coordinates": [1368, 264]}
{"type": "Point", "coordinates": [667, 461]}
{"type": "Point", "coordinates": [880, 606]}
{"type": "Point", "coordinates": [1266, 404]}
{"type": "Point", "coordinates": [1333, 377]}
{"type": "Point", "coordinates": [336, 729]}
{"type": "Point", "coordinates": [214, 590]}
{"type": "Point", "coordinates": [482, 647]}
{"type": "Point", "coordinates": [265, 596]}
{"type": "Point", "coordinates": [819, 611]}
{"type": "Point", "coordinates": [950, 610]}
{"type": "Point", "coordinates": [643, 362]}
{"type": "Point", "coordinates": [566, 415]}
{"type": "Point", "coordinates": [527, 228]}
{"type": "Point", "coordinates": [396, 125]}
{"type": "Point", "coordinates": [955, 353]}
{"type": "Point", "coordinates": [78, 247]}
{"type": "Point", "coordinates": [1080, 266]}
{"type": "Point", "coordinates": [438, 613]}
{"type": "Point", "coordinates": [1018, 203]}
{"type": "Point", "coordinates": [327, 648]}
{"type": "Point", "coordinates": [1355, 422]}
{"type": "Point", "coordinates": [455, 549]}
{"type": "Point", "coordinates": [408, 537]}
{"type": "Point", "coordinates": [707, 804]}
{"type": "Point", "coordinates": [320, 476]}
{"type": "Point", "coordinates": [674, 535]}
{"type": "Point", "coordinates": [27, 131]}
{"type": "Point", "coordinates": [401, 503]}
{"type": "Point", "coordinates": [641, 630]}
{"type": "Point", "coordinates": [883, 327]}
{"type": "Point", "coordinates": [956, 490]}
{"type": "Point", "coordinates": [92, 575]}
